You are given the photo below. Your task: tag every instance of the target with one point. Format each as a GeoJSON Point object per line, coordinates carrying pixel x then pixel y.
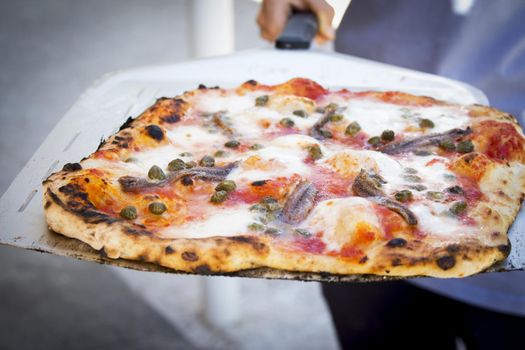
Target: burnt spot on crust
{"type": "Point", "coordinates": [47, 205]}
{"type": "Point", "coordinates": [190, 256]}
{"type": "Point", "coordinates": [103, 253]}
{"type": "Point", "coordinates": [396, 243]}
{"type": "Point", "coordinates": [253, 241]}
{"type": "Point", "coordinates": [505, 248]}
{"type": "Point", "coordinates": [252, 82]}
{"type": "Point", "coordinates": [363, 259]}
{"type": "Point", "coordinates": [101, 143]}
{"type": "Point", "coordinates": [171, 119]}
{"type": "Point", "coordinates": [259, 183]}
{"type": "Point", "coordinates": [446, 262]}
{"type": "Point", "coordinates": [453, 248]}
{"type": "Point", "coordinates": [92, 216]}
{"type": "Point", "coordinates": [72, 167]}
{"type": "Point", "coordinates": [396, 262]}
{"type": "Point", "coordinates": [74, 191]}
{"type": "Point", "coordinates": [123, 140]}
{"type": "Point", "coordinates": [155, 132]}
{"type": "Point", "coordinates": [202, 87]}
{"type": "Point", "coordinates": [169, 250]}
{"type": "Point", "coordinates": [203, 270]}
{"type": "Point", "coordinates": [126, 124]}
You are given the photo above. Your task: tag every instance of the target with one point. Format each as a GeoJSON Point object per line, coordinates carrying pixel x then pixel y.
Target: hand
{"type": "Point", "coordinates": [274, 13]}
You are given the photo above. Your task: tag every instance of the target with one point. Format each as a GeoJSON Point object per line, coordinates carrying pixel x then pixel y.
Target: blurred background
{"type": "Point", "coordinates": [50, 52]}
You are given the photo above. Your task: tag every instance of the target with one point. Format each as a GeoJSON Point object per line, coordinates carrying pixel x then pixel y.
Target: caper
{"type": "Point", "coordinates": [412, 178]}
{"type": "Point", "coordinates": [326, 133]}
{"type": "Point", "coordinates": [422, 152]}
{"type": "Point", "coordinates": [336, 117]}
{"type": "Point", "coordinates": [426, 123]}
{"type": "Point", "coordinates": [226, 185]}
{"type": "Point", "coordinates": [331, 107]}
{"type": "Point", "coordinates": [272, 231]}
{"type": "Point", "coordinates": [185, 154]}
{"type": "Point", "coordinates": [410, 171]}
{"type": "Point", "coordinates": [176, 165]}
{"type": "Point", "coordinates": [458, 208]}
{"type": "Point", "coordinates": [232, 144]}
{"type": "Point", "coordinates": [207, 161]}
{"type": "Point", "coordinates": [465, 146]}
{"type": "Point", "coordinates": [403, 196]}
{"type": "Point", "coordinates": [300, 113]}
{"type": "Point", "coordinates": [447, 145]}
{"type": "Point", "coordinates": [191, 164]}
{"type": "Point", "coordinates": [256, 146]}
{"type": "Point", "coordinates": [455, 190]}
{"type": "Point", "coordinates": [303, 232]}
{"type": "Point", "coordinates": [387, 135]}
{"type": "Point", "coordinates": [129, 212]}
{"type": "Point", "coordinates": [131, 160]}
{"type": "Point", "coordinates": [314, 151]}
{"type": "Point", "coordinates": [270, 204]}
{"type": "Point", "coordinates": [287, 122]}
{"type": "Point", "coordinates": [261, 100]}
{"type": "Point", "coordinates": [258, 207]}
{"type": "Point", "coordinates": [219, 196]}
{"type": "Point", "coordinates": [157, 208]}
{"type": "Point", "coordinates": [220, 153]}
{"type": "Point", "coordinates": [374, 141]}
{"type": "Point", "coordinates": [434, 195]}
{"type": "Point", "coordinates": [156, 173]}
{"type": "Point", "coordinates": [254, 226]}
{"type": "Point", "coordinates": [353, 128]}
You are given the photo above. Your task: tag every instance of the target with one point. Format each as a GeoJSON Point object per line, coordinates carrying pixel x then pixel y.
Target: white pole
{"type": "Point", "coordinates": [212, 33]}
{"type": "Point", "coordinates": [211, 27]}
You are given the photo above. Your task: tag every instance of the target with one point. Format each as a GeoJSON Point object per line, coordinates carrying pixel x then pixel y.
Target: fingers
{"type": "Point", "coordinates": [273, 15]}
{"type": "Point", "coordinates": [325, 15]}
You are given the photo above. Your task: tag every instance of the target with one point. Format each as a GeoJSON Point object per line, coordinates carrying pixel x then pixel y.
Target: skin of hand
{"type": "Point", "coordinates": [273, 15]}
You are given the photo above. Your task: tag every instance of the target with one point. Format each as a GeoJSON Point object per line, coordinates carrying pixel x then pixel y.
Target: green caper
{"type": "Point", "coordinates": [287, 122]}
{"type": "Point", "coordinates": [131, 160]}
{"type": "Point", "coordinates": [374, 141]}
{"type": "Point", "coordinates": [157, 208]}
{"type": "Point", "coordinates": [353, 128]}
{"type": "Point", "coordinates": [435, 196]}
{"type": "Point", "coordinates": [458, 208]}
{"type": "Point", "coordinates": [262, 100]}
{"type": "Point", "coordinates": [220, 153]}
{"type": "Point", "coordinates": [465, 146]}
{"type": "Point", "coordinates": [331, 107]}
{"type": "Point", "coordinates": [255, 226]}
{"type": "Point", "coordinates": [219, 196]}
{"type": "Point", "coordinates": [232, 144]}
{"type": "Point", "coordinates": [258, 207]}
{"type": "Point", "coordinates": [447, 145]}
{"type": "Point", "coordinates": [270, 204]}
{"type": "Point", "coordinates": [185, 154]}
{"type": "Point", "coordinates": [314, 151]}
{"type": "Point", "coordinates": [303, 232]}
{"type": "Point", "coordinates": [455, 190]}
{"type": "Point", "coordinates": [156, 173]}
{"type": "Point", "coordinates": [412, 178]}
{"type": "Point", "coordinates": [129, 212]}
{"type": "Point", "coordinates": [226, 185]}
{"type": "Point", "coordinates": [410, 171]}
{"type": "Point", "coordinates": [426, 123]}
{"type": "Point", "coordinates": [327, 134]}
{"type": "Point", "coordinates": [403, 196]}
{"type": "Point", "coordinates": [176, 165]}
{"type": "Point", "coordinates": [300, 113]}
{"type": "Point", "coordinates": [336, 117]}
{"type": "Point", "coordinates": [387, 135]}
{"type": "Point", "coordinates": [207, 161]}
{"type": "Point", "coordinates": [191, 164]}
{"type": "Point", "coordinates": [256, 146]}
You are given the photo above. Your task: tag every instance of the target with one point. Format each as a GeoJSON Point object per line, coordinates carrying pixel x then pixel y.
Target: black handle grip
{"type": "Point", "coordinates": [298, 32]}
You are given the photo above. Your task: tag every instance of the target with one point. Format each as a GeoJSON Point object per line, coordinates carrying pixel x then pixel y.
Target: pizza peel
{"type": "Point", "coordinates": [100, 111]}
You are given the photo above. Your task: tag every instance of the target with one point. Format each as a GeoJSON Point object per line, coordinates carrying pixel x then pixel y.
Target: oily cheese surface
{"type": "Point", "coordinates": [295, 177]}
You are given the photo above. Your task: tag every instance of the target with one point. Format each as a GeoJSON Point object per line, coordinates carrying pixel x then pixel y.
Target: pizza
{"type": "Point", "coordinates": [295, 177]}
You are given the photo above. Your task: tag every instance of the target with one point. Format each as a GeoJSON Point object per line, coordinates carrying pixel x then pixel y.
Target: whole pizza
{"type": "Point", "coordinates": [295, 177]}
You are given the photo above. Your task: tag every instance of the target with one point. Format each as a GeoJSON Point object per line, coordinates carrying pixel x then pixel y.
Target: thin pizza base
{"type": "Point", "coordinates": [70, 213]}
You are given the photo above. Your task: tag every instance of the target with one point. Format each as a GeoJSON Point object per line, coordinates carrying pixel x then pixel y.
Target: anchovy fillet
{"type": "Point", "coordinates": [317, 129]}
{"type": "Point", "coordinates": [299, 203]}
{"type": "Point", "coordinates": [135, 184]}
{"type": "Point", "coordinates": [423, 141]}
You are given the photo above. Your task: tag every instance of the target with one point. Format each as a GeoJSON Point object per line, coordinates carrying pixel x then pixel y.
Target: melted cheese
{"type": "Point", "coordinates": [435, 218]}
{"type": "Point", "coordinates": [193, 137]}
